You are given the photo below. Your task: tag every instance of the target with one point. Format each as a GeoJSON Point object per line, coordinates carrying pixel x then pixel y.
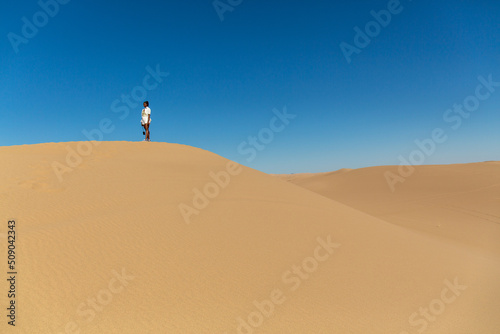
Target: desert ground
{"type": "Point", "coordinates": [122, 237]}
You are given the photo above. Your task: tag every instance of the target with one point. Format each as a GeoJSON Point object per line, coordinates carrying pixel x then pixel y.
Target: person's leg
{"type": "Point", "coordinates": [146, 126]}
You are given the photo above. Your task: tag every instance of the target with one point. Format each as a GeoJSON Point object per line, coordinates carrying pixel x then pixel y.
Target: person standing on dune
{"type": "Point", "coordinates": [146, 120]}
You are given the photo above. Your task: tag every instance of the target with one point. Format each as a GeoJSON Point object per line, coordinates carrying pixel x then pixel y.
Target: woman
{"type": "Point", "coordinates": [146, 119]}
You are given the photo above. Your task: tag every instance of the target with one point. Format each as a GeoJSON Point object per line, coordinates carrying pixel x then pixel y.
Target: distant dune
{"type": "Point", "coordinates": [458, 202]}
{"type": "Point", "coordinates": [165, 238]}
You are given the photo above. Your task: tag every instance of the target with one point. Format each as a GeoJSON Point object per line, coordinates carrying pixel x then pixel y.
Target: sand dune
{"type": "Point", "coordinates": [458, 202]}
{"type": "Point", "coordinates": [108, 249]}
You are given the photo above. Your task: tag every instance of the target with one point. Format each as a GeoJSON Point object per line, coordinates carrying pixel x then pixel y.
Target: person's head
{"type": "Point", "coordinates": [146, 104]}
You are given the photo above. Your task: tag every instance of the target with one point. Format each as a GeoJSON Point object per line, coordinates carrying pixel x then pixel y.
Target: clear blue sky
{"type": "Point", "coordinates": [227, 76]}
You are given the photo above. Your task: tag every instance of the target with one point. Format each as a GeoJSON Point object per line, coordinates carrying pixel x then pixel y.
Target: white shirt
{"type": "Point", "coordinates": [145, 113]}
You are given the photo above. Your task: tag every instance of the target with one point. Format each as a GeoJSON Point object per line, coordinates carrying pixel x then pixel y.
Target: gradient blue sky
{"type": "Point", "coordinates": [227, 76]}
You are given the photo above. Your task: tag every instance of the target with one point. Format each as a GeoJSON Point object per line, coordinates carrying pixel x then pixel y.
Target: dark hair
{"type": "Point", "coordinates": [147, 103]}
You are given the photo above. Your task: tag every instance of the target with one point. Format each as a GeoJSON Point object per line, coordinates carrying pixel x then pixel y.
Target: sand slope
{"type": "Point", "coordinates": [458, 202]}
{"type": "Point", "coordinates": [117, 214]}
